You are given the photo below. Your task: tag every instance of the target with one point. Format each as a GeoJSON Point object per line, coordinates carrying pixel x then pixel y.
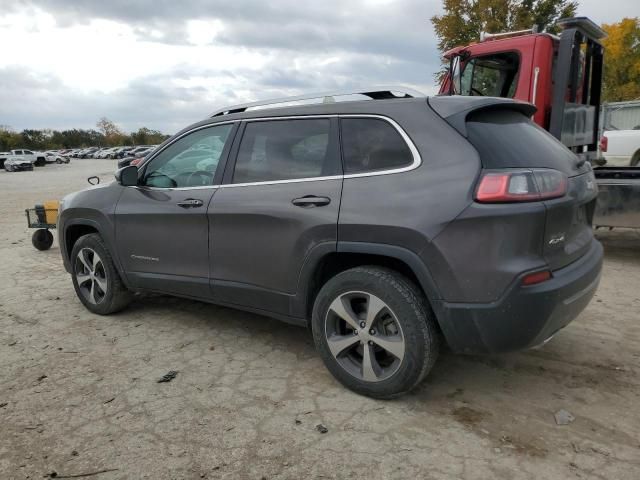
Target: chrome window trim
{"type": "Point", "coordinates": [417, 159]}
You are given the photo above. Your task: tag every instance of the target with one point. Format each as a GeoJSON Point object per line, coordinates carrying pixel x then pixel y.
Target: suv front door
{"type": "Point", "coordinates": [280, 200]}
{"type": "Point", "coordinates": [162, 233]}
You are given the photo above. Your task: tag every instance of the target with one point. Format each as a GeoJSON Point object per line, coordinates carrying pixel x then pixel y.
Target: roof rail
{"type": "Point", "coordinates": [375, 93]}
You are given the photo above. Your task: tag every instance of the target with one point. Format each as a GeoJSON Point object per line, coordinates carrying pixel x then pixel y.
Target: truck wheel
{"type": "Point", "coordinates": [95, 278]}
{"type": "Point", "coordinates": [375, 331]}
{"type": "Point", "coordinates": [42, 239]}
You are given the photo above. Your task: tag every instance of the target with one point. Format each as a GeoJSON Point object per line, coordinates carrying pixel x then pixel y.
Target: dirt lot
{"type": "Point", "coordinates": [79, 392]}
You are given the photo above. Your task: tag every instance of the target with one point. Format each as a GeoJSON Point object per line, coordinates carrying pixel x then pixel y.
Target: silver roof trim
{"type": "Point", "coordinates": [375, 93]}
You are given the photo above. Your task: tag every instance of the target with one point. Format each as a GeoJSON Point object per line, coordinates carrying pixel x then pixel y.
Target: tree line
{"type": "Point", "coordinates": [106, 134]}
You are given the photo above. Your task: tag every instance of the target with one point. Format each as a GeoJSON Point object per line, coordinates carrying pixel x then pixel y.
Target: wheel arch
{"type": "Point", "coordinates": [325, 262]}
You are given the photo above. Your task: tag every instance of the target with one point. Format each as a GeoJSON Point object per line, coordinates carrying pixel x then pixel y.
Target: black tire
{"type": "Point", "coordinates": [8, 168]}
{"type": "Point", "coordinates": [407, 307]}
{"type": "Point", "coordinates": [40, 162]}
{"type": "Point", "coordinates": [58, 161]}
{"type": "Point", "coordinates": [42, 239]}
{"type": "Point", "coordinates": [114, 296]}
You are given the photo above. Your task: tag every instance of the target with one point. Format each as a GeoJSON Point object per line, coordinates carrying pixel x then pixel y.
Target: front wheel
{"type": "Point", "coordinates": [95, 278]}
{"type": "Point", "coordinates": [375, 331]}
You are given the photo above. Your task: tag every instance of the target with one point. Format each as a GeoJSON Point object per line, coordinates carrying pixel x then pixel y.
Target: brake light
{"type": "Point", "coordinates": [521, 186]}
{"type": "Point", "coordinates": [604, 143]}
{"type": "Point", "coordinates": [536, 277]}
{"type": "Point", "coordinates": [136, 161]}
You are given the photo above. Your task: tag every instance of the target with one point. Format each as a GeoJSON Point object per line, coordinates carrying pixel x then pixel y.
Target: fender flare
{"type": "Point", "coordinates": [315, 257]}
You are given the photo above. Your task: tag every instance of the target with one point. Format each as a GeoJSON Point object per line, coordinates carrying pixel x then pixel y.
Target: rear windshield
{"type": "Point", "coordinates": [508, 139]}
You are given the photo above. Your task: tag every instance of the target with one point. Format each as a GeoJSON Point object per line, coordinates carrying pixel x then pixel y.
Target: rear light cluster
{"type": "Point", "coordinates": [521, 186]}
{"type": "Point", "coordinates": [604, 144]}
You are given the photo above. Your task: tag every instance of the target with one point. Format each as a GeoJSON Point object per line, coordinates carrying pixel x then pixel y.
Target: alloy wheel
{"type": "Point", "coordinates": [364, 336]}
{"type": "Point", "coordinates": [91, 276]}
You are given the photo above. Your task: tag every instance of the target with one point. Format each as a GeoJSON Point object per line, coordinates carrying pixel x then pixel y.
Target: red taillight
{"type": "Point", "coordinates": [136, 161]}
{"type": "Point", "coordinates": [604, 143]}
{"type": "Point", "coordinates": [536, 277]}
{"type": "Point", "coordinates": [521, 186]}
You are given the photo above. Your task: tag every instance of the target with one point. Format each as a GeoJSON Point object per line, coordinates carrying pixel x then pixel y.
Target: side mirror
{"type": "Point", "coordinates": [127, 176]}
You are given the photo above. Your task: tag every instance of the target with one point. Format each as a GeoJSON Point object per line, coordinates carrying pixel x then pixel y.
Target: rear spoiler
{"type": "Point", "coordinates": [455, 109]}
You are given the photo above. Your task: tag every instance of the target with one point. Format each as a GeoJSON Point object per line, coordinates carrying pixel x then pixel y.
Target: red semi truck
{"type": "Point", "coordinates": [562, 76]}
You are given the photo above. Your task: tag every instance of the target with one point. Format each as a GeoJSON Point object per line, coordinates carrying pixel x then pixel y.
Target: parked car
{"type": "Point", "coordinates": [140, 154]}
{"type": "Point", "coordinates": [381, 224]}
{"type": "Point", "coordinates": [88, 152]}
{"type": "Point", "coordinates": [54, 157]}
{"type": "Point", "coordinates": [18, 164]}
{"type": "Point", "coordinates": [621, 148]}
{"type": "Point", "coordinates": [123, 152]}
{"type": "Point", "coordinates": [36, 158]}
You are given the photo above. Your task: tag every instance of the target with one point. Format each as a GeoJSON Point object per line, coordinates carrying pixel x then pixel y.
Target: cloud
{"type": "Point", "coordinates": [164, 64]}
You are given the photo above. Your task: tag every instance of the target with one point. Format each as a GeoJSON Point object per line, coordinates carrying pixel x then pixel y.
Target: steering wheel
{"type": "Point", "coordinates": [204, 178]}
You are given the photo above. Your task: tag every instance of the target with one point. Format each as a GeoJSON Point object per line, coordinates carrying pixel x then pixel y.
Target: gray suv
{"type": "Point", "coordinates": [386, 225]}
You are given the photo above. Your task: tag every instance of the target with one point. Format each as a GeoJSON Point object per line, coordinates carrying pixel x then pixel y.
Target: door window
{"type": "Point", "coordinates": [370, 144]}
{"type": "Point", "coordinates": [285, 150]}
{"type": "Point", "coordinates": [191, 161]}
{"type": "Point", "coordinates": [491, 75]}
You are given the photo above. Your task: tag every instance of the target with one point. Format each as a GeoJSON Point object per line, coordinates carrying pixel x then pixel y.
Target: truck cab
{"type": "Point", "coordinates": [560, 75]}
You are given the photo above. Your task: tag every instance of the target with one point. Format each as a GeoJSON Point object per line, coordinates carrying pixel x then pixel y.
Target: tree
{"type": "Point", "coordinates": [464, 20]}
{"type": "Point", "coordinates": [145, 136]}
{"type": "Point", "coordinates": [622, 60]}
{"type": "Point", "coordinates": [112, 133]}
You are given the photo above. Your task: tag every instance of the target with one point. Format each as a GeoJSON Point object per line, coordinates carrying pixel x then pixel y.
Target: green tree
{"type": "Point", "coordinates": [464, 20]}
{"type": "Point", "coordinates": [622, 60]}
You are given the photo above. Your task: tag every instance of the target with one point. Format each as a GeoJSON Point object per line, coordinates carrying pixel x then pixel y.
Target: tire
{"type": "Point", "coordinates": [58, 161]}
{"type": "Point", "coordinates": [401, 312]}
{"type": "Point", "coordinates": [42, 239]}
{"type": "Point", "coordinates": [96, 281]}
{"type": "Point", "coordinates": [8, 168]}
{"type": "Point", "coordinates": [635, 160]}
{"type": "Point", "coordinates": [40, 162]}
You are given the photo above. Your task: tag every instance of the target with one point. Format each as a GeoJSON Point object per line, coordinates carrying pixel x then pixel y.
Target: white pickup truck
{"type": "Point", "coordinates": [621, 148]}
{"type": "Point", "coordinates": [36, 158]}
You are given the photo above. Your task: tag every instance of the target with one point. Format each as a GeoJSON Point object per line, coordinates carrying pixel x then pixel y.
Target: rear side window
{"type": "Point", "coordinates": [286, 150]}
{"type": "Point", "coordinates": [491, 75]}
{"type": "Point", "coordinates": [370, 144]}
{"type": "Point", "coordinates": [508, 139]}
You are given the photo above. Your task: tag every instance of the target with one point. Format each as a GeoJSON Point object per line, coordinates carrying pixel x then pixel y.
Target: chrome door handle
{"type": "Point", "coordinates": [190, 203]}
{"type": "Point", "coordinates": [311, 201]}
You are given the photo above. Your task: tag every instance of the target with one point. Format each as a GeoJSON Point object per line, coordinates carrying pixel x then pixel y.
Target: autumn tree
{"type": "Point", "coordinates": [112, 133]}
{"type": "Point", "coordinates": [622, 60]}
{"type": "Point", "coordinates": [464, 20]}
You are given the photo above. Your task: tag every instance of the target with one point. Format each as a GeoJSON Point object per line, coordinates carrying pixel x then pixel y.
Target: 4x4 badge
{"type": "Point", "coordinates": [557, 239]}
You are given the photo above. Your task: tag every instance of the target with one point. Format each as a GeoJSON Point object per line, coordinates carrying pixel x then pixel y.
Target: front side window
{"type": "Point", "coordinates": [191, 161]}
{"type": "Point", "coordinates": [491, 75]}
{"type": "Point", "coordinates": [285, 150]}
{"type": "Point", "coordinates": [371, 144]}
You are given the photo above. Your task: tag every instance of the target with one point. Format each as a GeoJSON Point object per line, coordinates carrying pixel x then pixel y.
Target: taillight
{"type": "Point", "coordinates": [136, 161]}
{"type": "Point", "coordinates": [604, 143]}
{"type": "Point", "coordinates": [521, 186]}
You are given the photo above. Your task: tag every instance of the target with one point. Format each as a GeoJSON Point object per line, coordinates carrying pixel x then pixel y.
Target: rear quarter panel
{"type": "Point", "coordinates": [409, 209]}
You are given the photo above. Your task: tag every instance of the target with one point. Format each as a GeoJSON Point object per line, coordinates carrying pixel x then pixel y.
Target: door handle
{"type": "Point", "coordinates": [309, 201]}
{"type": "Point", "coordinates": [190, 203]}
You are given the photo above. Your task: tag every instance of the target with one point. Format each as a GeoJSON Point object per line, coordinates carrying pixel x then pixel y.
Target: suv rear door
{"type": "Point", "coordinates": [280, 200]}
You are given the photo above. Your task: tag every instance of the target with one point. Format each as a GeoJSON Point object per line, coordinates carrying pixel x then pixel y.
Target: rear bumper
{"type": "Point", "coordinates": [525, 316]}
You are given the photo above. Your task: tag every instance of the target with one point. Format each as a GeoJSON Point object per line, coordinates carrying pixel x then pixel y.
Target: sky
{"type": "Point", "coordinates": [164, 64]}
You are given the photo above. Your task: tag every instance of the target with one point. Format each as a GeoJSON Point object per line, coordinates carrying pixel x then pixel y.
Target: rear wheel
{"type": "Point", "coordinates": [375, 331]}
{"type": "Point", "coordinates": [8, 168]}
{"type": "Point", "coordinates": [95, 278]}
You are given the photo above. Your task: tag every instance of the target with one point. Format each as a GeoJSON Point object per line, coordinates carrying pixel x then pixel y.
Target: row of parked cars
{"type": "Point", "coordinates": [111, 152]}
{"type": "Point", "coordinates": [22, 159]}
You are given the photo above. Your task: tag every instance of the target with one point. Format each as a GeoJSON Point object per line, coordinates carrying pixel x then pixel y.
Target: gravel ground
{"type": "Point", "coordinates": [79, 392]}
